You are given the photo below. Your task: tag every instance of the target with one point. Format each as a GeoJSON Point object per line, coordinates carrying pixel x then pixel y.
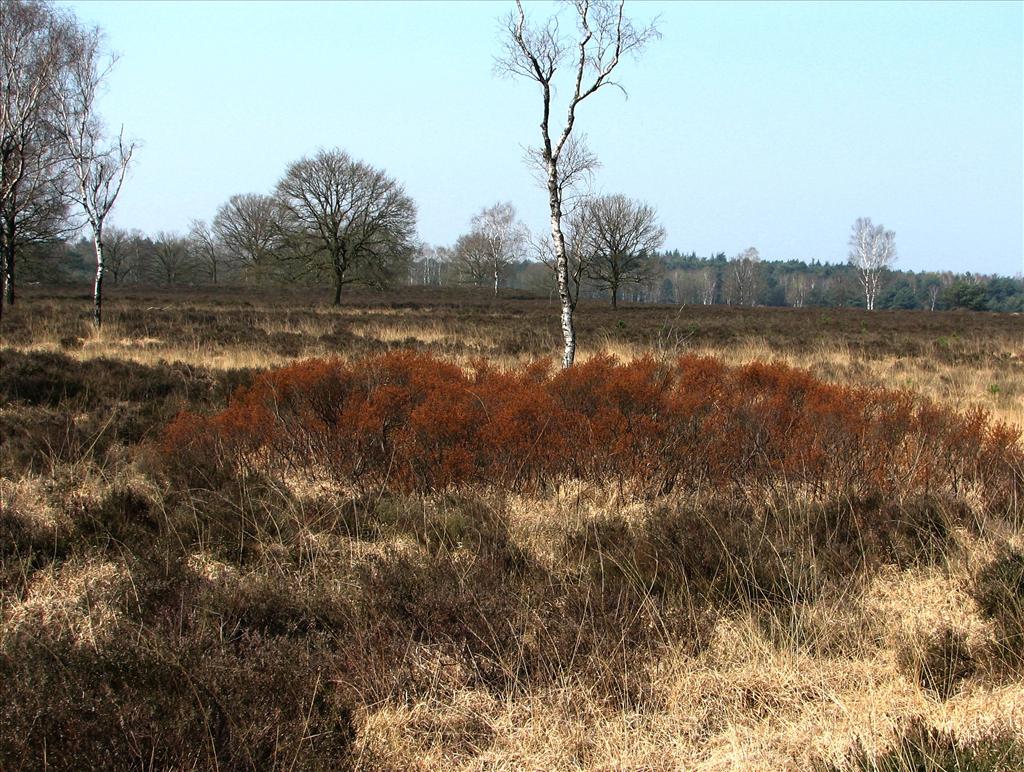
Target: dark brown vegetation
{"type": "Point", "coordinates": [510, 325]}
{"type": "Point", "coordinates": [925, 749]}
{"type": "Point", "coordinates": [275, 578]}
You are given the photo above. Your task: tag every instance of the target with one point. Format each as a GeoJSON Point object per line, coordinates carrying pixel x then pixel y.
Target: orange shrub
{"type": "Point", "coordinates": [409, 421]}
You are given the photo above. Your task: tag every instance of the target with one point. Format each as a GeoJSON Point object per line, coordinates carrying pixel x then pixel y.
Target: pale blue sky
{"type": "Point", "coordinates": [772, 125]}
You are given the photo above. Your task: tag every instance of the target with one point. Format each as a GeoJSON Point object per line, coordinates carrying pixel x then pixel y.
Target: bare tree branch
{"type": "Point", "coordinates": [349, 217]}
{"type": "Point", "coordinates": [99, 168]}
{"type": "Point", "coordinates": [603, 35]}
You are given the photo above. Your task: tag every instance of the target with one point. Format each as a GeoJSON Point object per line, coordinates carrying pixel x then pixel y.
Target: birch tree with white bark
{"type": "Point", "coordinates": [708, 286]}
{"type": "Point", "coordinates": [745, 277]}
{"type": "Point", "coordinates": [431, 265]}
{"type": "Point", "coordinates": [36, 41]}
{"type": "Point", "coordinates": [872, 251]}
{"type": "Point", "coordinates": [503, 237]}
{"type": "Point", "coordinates": [98, 165]}
{"type": "Point", "coordinates": [602, 36]}
{"type": "Point", "coordinates": [574, 227]}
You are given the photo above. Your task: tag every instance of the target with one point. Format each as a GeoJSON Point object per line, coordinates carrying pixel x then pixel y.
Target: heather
{"type": "Point", "coordinates": [249, 535]}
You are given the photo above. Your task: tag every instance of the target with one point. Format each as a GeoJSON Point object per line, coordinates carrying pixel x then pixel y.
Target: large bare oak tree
{"type": "Point", "coordinates": [603, 35]}
{"type": "Point", "coordinates": [349, 217]}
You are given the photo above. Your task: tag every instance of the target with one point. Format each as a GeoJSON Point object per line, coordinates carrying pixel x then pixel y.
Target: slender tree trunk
{"type": "Point", "coordinates": [3, 270]}
{"type": "Point", "coordinates": [495, 280]}
{"type": "Point", "coordinates": [97, 292]}
{"type": "Point", "coordinates": [8, 260]}
{"type": "Point", "coordinates": [615, 296]}
{"type": "Point", "coordinates": [870, 282]}
{"type": "Point", "coordinates": [561, 268]}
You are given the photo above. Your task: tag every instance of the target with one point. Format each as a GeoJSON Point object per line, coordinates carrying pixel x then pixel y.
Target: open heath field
{"type": "Point", "coordinates": [245, 529]}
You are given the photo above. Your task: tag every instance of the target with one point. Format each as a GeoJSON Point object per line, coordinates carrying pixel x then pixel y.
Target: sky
{"type": "Point", "coordinates": [773, 125]}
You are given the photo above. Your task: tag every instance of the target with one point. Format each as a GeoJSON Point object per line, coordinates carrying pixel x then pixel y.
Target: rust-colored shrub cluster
{"type": "Point", "coordinates": [409, 421]}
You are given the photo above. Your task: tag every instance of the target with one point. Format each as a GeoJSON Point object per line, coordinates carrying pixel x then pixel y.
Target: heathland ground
{"type": "Point", "coordinates": [733, 538]}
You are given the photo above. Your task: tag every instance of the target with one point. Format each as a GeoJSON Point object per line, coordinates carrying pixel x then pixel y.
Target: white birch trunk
{"type": "Point", "coordinates": [97, 291]}
{"type": "Point", "coordinates": [561, 268]}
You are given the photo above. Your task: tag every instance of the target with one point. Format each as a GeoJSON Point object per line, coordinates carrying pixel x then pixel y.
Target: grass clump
{"type": "Point", "coordinates": [999, 591]}
{"type": "Point", "coordinates": [921, 748]}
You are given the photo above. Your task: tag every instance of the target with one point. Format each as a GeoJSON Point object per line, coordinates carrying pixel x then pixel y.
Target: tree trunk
{"type": "Point", "coordinates": [97, 292]}
{"type": "Point", "coordinates": [615, 296]}
{"type": "Point", "coordinates": [561, 268]}
{"type": "Point", "coordinates": [495, 280]}
{"type": "Point", "coordinates": [3, 270]}
{"type": "Point", "coordinates": [339, 263]}
{"type": "Point", "coordinates": [339, 275]}
{"type": "Point", "coordinates": [8, 261]}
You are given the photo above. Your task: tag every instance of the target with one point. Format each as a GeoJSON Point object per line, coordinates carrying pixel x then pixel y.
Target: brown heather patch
{"type": "Point", "coordinates": [409, 421]}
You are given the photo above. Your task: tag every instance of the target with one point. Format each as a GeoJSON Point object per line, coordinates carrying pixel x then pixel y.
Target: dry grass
{"type": "Point", "coordinates": [302, 628]}
{"type": "Point", "coordinates": [958, 359]}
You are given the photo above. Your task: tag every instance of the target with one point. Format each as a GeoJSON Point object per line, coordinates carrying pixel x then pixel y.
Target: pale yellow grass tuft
{"type": "Point", "coordinates": [28, 499]}
{"type": "Point", "coordinates": [79, 599]}
{"type": "Point", "coordinates": [912, 604]}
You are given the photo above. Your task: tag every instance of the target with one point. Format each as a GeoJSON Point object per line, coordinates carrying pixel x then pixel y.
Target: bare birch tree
{"type": "Point", "coordinates": [708, 286]}
{"type": "Point", "coordinates": [574, 228]}
{"type": "Point", "coordinates": [797, 288]}
{"type": "Point", "coordinates": [431, 265]}
{"type": "Point", "coordinates": [621, 239]}
{"type": "Point", "coordinates": [504, 237]}
{"type": "Point", "coordinates": [98, 166]}
{"type": "Point", "coordinates": [35, 51]}
{"type": "Point", "coordinates": [744, 277]}
{"type": "Point", "coordinates": [538, 52]}
{"type": "Point", "coordinates": [872, 251]}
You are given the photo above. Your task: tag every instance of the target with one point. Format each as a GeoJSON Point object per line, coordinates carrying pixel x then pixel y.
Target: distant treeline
{"type": "Point", "coordinates": [680, 278]}
{"type": "Point", "coordinates": [692, 279]}
{"type": "Point", "coordinates": [677, 278]}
